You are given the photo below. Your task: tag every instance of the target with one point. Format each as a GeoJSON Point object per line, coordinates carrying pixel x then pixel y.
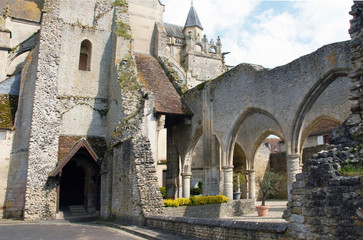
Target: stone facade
{"type": "Point", "coordinates": [92, 75]}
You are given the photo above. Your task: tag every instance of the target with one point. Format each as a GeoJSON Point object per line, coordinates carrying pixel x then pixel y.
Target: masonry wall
{"type": "Point", "coordinates": [135, 193]}
{"type": "Point", "coordinates": [325, 205]}
{"type": "Point", "coordinates": [16, 182]}
{"type": "Point", "coordinates": [204, 68]}
{"type": "Point", "coordinates": [5, 149]}
{"type": "Point", "coordinates": [218, 229]}
{"type": "Point", "coordinates": [233, 208]}
{"type": "Point", "coordinates": [142, 25]}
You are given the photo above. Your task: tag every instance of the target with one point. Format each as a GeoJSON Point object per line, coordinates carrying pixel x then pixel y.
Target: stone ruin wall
{"type": "Point", "coordinates": [16, 182]}
{"type": "Point", "coordinates": [129, 185]}
{"type": "Point", "coordinates": [326, 205]}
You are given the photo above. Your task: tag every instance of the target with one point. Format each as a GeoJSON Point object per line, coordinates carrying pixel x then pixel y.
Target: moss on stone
{"type": "Point", "coordinates": [128, 78]}
{"type": "Point", "coordinates": [201, 85]}
{"type": "Point", "coordinates": [8, 107]}
{"type": "Point", "coordinates": [121, 3]}
{"type": "Point", "coordinates": [122, 29]}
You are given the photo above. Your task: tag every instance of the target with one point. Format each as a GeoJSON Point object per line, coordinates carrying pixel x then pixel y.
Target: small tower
{"type": "Point", "coordinates": [202, 59]}
{"type": "Point", "coordinates": [193, 28]}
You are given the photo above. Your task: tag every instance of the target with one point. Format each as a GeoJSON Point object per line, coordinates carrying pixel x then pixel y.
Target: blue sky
{"type": "Point", "coordinates": [269, 33]}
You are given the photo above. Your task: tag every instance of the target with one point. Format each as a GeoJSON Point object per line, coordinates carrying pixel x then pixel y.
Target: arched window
{"type": "Point", "coordinates": [85, 56]}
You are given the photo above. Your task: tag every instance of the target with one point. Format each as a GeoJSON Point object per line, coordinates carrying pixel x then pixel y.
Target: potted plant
{"type": "Point", "coordinates": [268, 185]}
{"type": "Point", "coordinates": [238, 179]}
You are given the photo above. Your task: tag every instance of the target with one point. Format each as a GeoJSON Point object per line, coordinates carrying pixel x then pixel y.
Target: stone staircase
{"type": "Point", "coordinates": [77, 210]}
{"type": "Point", "coordinates": [76, 213]}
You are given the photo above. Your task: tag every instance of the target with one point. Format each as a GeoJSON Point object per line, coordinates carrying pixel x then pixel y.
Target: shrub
{"type": "Point", "coordinates": [163, 192]}
{"type": "Point", "coordinates": [198, 190]}
{"type": "Point", "coordinates": [268, 184]}
{"type": "Point", "coordinates": [195, 201]}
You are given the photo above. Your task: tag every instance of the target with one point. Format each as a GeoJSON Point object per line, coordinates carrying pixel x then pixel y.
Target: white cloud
{"type": "Point", "coordinates": [267, 36]}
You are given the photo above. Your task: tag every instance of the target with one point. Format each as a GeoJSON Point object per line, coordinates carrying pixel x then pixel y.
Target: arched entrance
{"type": "Point", "coordinates": [78, 181]}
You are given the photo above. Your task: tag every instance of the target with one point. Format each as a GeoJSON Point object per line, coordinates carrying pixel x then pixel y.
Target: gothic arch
{"type": "Point", "coordinates": [187, 160]}
{"type": "Point", "coordinates": [258, 143]}
{"type": "Point", "coordinates": [307, 130]}
{"type": "Point", "coordinates": [309, 101]}
{"type": "Point", "coordinates": [238, 123]}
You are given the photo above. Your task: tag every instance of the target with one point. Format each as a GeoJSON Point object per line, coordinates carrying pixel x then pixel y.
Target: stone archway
{"type": "Point", "coordinates": [78, 176]}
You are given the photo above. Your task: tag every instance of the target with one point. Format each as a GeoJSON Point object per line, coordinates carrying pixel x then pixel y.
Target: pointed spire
{"type": "Point", "coordinates": [193, 19]}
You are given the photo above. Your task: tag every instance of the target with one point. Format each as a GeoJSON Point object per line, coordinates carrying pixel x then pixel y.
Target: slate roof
{"type": "Point", "coordinates": [193, 19]}
{"type": "Point", "coordinates": [174, 30]}
{"type": "Point", "coordinates": [167, 99]}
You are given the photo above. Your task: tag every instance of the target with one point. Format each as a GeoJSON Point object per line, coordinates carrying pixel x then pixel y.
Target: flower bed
{"type": "Point", "coordinates": [195, 201]}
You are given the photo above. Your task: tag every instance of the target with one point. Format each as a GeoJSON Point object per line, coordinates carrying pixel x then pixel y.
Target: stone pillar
{"type": "Point", "coordinates": [293, 168]}
{"type": "Point", "coordinates": [186, 184]}
{"type": "Point", "coordinates": [211, 163]}
{"type": "Point", "coordinates": [252, 184]}
{"type": "Point", "coordinates": [228, 181]}
{"type": "Point", "coordinates": [172, 161]}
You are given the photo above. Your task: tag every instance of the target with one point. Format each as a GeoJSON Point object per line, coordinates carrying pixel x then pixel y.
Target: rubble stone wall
{"type": "Point", "coordinates": [16, 180]}
{"type": "Point", "coordinates": [40, 198]}
{"type": "Point", "coordinates": [218, 229]}
{"type": "Point", "coordinates": [325, 205]}
{"type": "Point", "coordinates": [135, 194]}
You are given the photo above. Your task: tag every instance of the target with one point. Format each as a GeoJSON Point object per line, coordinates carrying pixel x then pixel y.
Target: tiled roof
{"type": "Point", "coordinates": [324, 127]}
{"type": "Point", "coordinates": [167, 99]}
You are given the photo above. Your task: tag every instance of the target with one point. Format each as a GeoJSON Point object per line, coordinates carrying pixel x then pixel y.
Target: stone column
{"type": "Point", "coordinates": [186, 184]}
{"type": "Point", "coordinates": [172, 162]}
{"type": "Point", "coordinates": [211, 163]}
{"type": "Point", "coordinates": [293, 168]}
{"type": "Point", "coordinates": [252, 184]}
{"type": "Point", "coordinates": [228, 181]}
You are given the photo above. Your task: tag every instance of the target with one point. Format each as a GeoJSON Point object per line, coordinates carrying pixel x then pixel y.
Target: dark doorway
{"type": "Point", "coordinates": [79, 180]}
{"type": "Point", "coordinates": [72, 185]}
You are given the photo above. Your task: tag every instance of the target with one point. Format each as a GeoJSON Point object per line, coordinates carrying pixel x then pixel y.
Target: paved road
{"type": "Point", "coordinates": [61, 231]}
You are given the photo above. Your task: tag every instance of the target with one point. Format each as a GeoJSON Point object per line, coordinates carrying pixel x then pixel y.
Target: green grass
{"type": "Point", "coordinates": [350, 170]}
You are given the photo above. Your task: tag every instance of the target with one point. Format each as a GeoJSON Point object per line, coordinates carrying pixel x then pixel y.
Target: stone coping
{"type": "Point", "coordinates": [243, 225]}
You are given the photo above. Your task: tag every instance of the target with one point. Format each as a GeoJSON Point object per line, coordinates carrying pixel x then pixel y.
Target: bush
{"type": "Point", "coordinates": [163, 192]}
{"type": "Point", "coordinates": [195, 201]}
{"type": "Point", "coordinates": [198, 190]}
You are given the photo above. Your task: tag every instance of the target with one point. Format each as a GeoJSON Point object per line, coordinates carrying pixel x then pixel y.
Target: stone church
{"type": "Point", "coordinates": [102, 102]}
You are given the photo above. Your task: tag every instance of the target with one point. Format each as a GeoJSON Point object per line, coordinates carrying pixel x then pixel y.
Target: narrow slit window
{"type": "Point", "coordinates": [85, 56]}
